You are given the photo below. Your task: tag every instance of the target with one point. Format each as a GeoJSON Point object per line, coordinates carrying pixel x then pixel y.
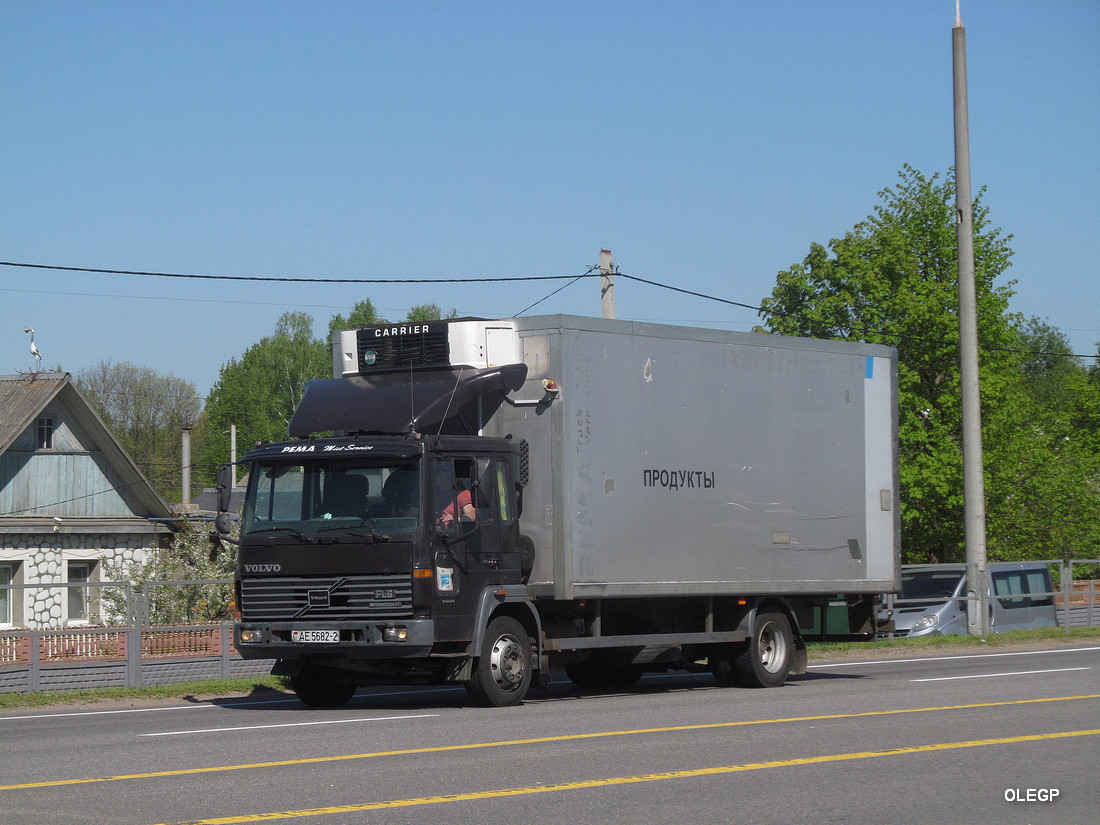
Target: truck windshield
{"type": "Point", "coordinates": [314, 497]}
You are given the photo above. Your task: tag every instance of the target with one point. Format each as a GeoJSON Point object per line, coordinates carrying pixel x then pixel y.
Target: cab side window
{"type": "Point", "coordinates": [503, 486]}
{"type": "Point", "coordinates": [455, 492]}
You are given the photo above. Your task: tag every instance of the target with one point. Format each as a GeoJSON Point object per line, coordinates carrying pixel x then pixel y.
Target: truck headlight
{"type": "Point", "coordinates": [395, 634]}
{"type": "Point", "coordinates": [924, 623]}
{"type": "Point", "coordinates": [250, 636]}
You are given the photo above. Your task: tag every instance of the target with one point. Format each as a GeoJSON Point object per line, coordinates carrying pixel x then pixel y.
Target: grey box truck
{"type": "Point", "coordinates": [476, 501]}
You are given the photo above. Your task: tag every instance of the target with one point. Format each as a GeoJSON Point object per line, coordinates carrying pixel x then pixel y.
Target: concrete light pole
{"type": "Point", "coordinates": [973, 466]}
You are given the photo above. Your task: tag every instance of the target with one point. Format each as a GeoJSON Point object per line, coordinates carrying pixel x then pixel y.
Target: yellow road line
{"type": "Point", "coordinates": [534, 741]}
{"type": "Point", "coordinates": [628, 780]}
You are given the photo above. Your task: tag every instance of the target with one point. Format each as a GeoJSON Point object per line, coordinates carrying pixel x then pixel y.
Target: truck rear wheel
{"type": "Point", "coordinates": [320, 689]}
{"type": "Point", "coordinates": [502, 673]}
{"type": "Point", "coordinates": [765, 660]}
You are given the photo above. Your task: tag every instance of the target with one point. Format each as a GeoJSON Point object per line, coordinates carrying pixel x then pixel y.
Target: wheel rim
{"type": "Point", "coordinates": [507, 663]}
{"type": "Point", "coordinates": [773, 647]}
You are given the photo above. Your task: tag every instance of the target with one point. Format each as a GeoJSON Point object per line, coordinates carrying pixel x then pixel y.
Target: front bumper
{"type": "Point", "coordinates": [357, 640]}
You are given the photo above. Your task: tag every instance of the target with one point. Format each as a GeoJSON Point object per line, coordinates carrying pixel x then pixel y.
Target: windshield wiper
{"type": "Point", "coordinates": [292, 530]}
{"type": "Point", "coordinates": [357, 530]}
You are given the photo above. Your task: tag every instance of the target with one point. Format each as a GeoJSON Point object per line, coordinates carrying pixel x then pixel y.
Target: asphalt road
{"type": "Point", "coordinates": [956, 739]}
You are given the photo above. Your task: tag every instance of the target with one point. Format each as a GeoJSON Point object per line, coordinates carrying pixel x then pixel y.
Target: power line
{"type": "Point", "coordinates": [801, 317]}
{"type": "Point", "coordinates": [295, 280]}
{"type": "Point", "coordinates": [556, 291]}
{"type": "Point", "coordinates": [592, 272]}
{"type": "Point", "coordinates": [176, 299]}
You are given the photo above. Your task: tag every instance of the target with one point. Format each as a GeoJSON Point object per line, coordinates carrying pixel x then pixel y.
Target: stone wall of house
{"type": "Point", "coordinates": [44, 557]}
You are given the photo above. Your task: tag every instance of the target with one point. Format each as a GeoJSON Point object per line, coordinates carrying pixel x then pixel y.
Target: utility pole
{"type": "Point", "coordinates": [233, 452]}
{"type": "Point", "coordinates": [185, 454]}
{"type": "Point", "coordinates": [977, 605]}
{"type": "Point", "coordinates": [607, 284]}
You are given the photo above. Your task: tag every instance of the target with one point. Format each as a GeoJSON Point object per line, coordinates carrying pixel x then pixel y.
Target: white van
{"type": "Point", "coordinates": [940, 611]}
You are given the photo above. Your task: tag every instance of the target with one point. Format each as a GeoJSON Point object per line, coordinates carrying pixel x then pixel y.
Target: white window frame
{"type": "Point", "coordinates": [44, 430]}
{"type": "Point", "coordinates": [81, 596]}
{"type": "Point", "coordinates": [9, 574]}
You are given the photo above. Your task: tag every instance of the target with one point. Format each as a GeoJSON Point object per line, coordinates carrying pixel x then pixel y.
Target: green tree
{"type": "Point", "coordinates": [259, 392]}
{"type": "Point", "coordinates": [196, 588]}
{"type": "Point", "coordinates": [1046, 361]}
{"type": "Point", "coordinates": [1046, 476]}
{"type": "Point", "coordinates": [429, 312]}
{"type": "Point", "coordinates": [363, 314]}
{"type": "Point", "coordinates": [893, 280]}
{"type": "Point", "coordinates": [146, 411]}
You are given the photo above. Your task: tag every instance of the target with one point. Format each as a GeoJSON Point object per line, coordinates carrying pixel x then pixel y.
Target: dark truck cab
{"type": "Point", "coordinates": [390, 552]}
{"type": "Point", "coordinates": [353, 562]}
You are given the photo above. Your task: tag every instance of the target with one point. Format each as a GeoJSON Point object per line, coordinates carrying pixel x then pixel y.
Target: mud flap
{"type": "Point", "coordinates": [798, 657]}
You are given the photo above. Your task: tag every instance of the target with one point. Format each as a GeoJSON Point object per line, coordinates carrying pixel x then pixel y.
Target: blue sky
{"type": "Point", "coordinates": [707, 144]}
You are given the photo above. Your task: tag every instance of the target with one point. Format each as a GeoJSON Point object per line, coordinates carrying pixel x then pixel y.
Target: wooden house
{"type": "Point", "coordinates": [71, 501]}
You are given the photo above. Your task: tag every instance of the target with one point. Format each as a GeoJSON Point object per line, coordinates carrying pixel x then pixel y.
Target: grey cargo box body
{"type": "Point", "coordinates": [686, 461]}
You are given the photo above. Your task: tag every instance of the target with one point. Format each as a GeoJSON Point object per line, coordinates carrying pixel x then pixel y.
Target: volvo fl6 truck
{"type": "Point", "coordinates": [477, 501]}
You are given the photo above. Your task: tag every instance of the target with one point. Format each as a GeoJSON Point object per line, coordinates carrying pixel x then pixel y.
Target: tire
{"type": "Point", "coordinates": [502, 672]}
{"type": "Point", "coordinates": [765, 661]}
{"type": "Point", "coordinates": [600, 675]}
{"type": "Point", "coordinates": [322, 689]}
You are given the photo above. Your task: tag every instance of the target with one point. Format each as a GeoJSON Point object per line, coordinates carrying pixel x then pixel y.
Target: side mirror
{"type": "Point", "coordinates": [225, 488]}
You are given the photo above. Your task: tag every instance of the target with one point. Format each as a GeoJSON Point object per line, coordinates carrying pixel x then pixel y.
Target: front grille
{"type": "Point", "coordinates": [423, 349]}
{"type": "Point", "coordinates": [326, 597]}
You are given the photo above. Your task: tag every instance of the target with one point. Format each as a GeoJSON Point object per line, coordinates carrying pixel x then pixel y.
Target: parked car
{"type": "Point", "coordinates": [1020, 599]}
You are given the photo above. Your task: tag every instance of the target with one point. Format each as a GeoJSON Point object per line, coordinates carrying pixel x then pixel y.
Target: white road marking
{"type": "Point", "coordinates": [244, 703]}
{"type": "Point", "coordinates": [103, 712]}
{"type": "Point", "coordinates": [289, 725]}
{"type": "Point", "coordinates": [290, 700]}
{"type": "Point", "coordinates": [954, 658]}
{"type": "Point", "coordinates": [993, 675]}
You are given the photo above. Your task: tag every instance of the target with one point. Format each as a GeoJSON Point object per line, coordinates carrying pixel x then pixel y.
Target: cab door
{"type": "Point", "coordinates": [467, 541]}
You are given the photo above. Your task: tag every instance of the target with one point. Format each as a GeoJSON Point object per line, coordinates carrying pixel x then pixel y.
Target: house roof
{"type": "Point", "coordinates": [24, 397]}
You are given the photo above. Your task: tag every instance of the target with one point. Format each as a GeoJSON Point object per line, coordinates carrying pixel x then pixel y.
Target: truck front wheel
{"type": "Point", "coordinates": [321, 689]}
{"type": "Point", "coordinates": [502, 673]}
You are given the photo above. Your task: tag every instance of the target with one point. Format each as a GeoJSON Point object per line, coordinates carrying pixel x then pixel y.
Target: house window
{"type": "Point", "coordinates": [44, 434]}
{"type": "Point", "coordinates": [7, 575]}
{"type": "Point", "coordinates": [80, 600]}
